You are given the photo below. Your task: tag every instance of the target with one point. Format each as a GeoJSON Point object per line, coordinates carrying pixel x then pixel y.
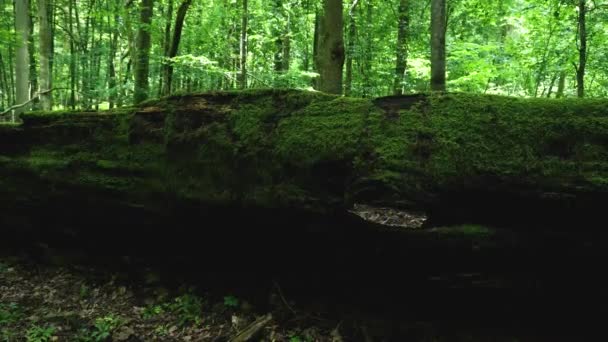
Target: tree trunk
{"type": "Point", "coordinates": [46, 53]}
{"type": "Point", "coordinates": [4, 87]}
{"type": "Point", "coordinates": [22, 62]}
{"type": "Point", "coordinates": [243, 46]}
{"type": "Point", "coordinates": [321, 154]}
{"type": "Point", "coordinates": [174, 46]}
{"type": "Point", "coordinates": [551, 85]}
{"type": "Point", "coordinates": [350, 50]}
{"type": "Point", "coordinates": [142, 64]}
{"type": "Point", "coordinates": [287, 44]}
{"type": "Point", "coordinates": [582, 48]}
{"type": "Point", "coordinates": [368, 56]}
{"type": "Point", "coordinates": [72, 101]}
{"type": "Point", "coordinates": [168, 15]}
{"type": "Point", "coordinates": [438, 31]}
{"type": "Point", "coordinates": [32, 54]}
{"type": "Point", "coordinates": [278, 36]}
{"type": "Point", "coordinates": [330, 49]}
{"type": "Point", "coordinates": [112, 84]}
{"type": "Point", "coordinates": [401, 59]}
{"type": "Point", "coordinates": [561, 84]}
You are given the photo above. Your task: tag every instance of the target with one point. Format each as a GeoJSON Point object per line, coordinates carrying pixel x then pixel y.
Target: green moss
{"type": "Point", "coordinates": [463, 231]}
{"type": "Point", "coordinates": [286, 147]}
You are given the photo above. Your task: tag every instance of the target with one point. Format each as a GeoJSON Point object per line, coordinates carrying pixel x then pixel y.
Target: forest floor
{"type": "Point", "coordinates": [50, 303]}
{"type": "Point", "coordinates": [60, 296]}
{"type": "Point", "coordinates": [45, 302]}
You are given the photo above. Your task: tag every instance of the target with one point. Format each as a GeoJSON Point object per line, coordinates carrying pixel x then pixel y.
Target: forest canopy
{"type": "Point", "coordinates": [108, 53]}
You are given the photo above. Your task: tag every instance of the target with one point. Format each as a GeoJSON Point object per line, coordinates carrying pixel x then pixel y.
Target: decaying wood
{"type": "Point", "coordinates": [253, 329]}
{"type": "Point", "coordinates": [21, 105]}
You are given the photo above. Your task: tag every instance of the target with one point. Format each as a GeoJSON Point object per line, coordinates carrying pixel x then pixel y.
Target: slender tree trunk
{"type": "Point", "coordinates": [243, 47]}
{"type": "Point", "coordinates": [3, 85]}
{"type": "Point", "coordinates": [330, 49]}
{"type": "Point", "coordinates": [46, 53]}
{"type": "Point", "coordinates": [174, 46]}
{"type": "Point", "coordinates": [561, 84]}
{"type": "Point", "coordinates": [287, 44]}
{"type": "Point", "coordinates": [166, 44]}
{"type": "Point", "coordinates": [350, 50]}
{"type": "Point", "coordinates": [72, 101]}
{"type": "Point", "coordinates": [368, 57]}
{"type": "Point", "coordinates": [22, 63]}
{"type": "Point", "coordinates": [11, 78]}
{"type": "Point", "coordinates": [582, 48]}
{"type": "Point", "coordinates": [438, 31]}
{"type": "Point", "coordinates": [401, 60]}
{"type": "Point", "coordinates": [279, 36]}
{"type": "Point", "coordinates": [32, 54]}
{"type": "Point", "coordinates": [114, 33]}
{"type": "Point", "coordinates": [315, 45]}
{"type": "Point", "coordinates": [142, 65]}
{"type": "Point", "coordinates": [551, 85]}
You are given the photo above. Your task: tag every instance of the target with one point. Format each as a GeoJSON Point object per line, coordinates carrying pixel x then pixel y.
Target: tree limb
{"type": "Point", "coordinates": [17, 106]}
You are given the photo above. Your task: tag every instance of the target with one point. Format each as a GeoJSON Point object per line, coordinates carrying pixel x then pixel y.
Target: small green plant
{"type": "Point", "coordinates": [7, 335]}
{"type": "Point", "coordinates": [231, 302]}
{"type": "Point", "coordinates": [153, 310]}
{"type": "Point", "coordinates": [189, 308]}
{"type": "Point", "coordinates": [39, 334]}
{"type": "Point", "coordinates": [84, 291]}
{"type": "Point", "coordinates": [295, 338]}
{"type": "Point", "coordinates": [161, 330]}
{"type": "Point", "coordinates": [9, 313]}
{"type": "Point", "coordinates": [104, 326]}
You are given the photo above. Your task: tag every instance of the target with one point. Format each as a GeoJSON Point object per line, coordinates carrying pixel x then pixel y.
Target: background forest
{"type": "Point", "coordinates": [94, 53]}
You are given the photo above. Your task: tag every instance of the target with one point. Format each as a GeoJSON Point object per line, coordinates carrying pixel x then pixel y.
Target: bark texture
{"type": "Point", "coordinates": [293, 150]}
{"type": "Point", "coordinates": [142, 65]}
{"type": "Point", "coordinates": [438, 31]}
{"type": "Point", "coordinates": [22, 63]}
{"type": "Point", "coordinates": [329, 57]}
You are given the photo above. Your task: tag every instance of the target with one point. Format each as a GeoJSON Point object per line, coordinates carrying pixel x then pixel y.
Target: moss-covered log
{"type": "Point", "coordinates": [458, 157]}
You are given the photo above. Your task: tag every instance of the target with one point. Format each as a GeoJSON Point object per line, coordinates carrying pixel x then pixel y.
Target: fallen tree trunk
{"type": "Point", "coordinates": [460, 158]}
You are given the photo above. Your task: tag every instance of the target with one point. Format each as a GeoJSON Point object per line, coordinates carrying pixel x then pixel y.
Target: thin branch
{"type": "Point", "coordinates": [36, 95]}
{"type": "Point", "coordinates": [283, 298]}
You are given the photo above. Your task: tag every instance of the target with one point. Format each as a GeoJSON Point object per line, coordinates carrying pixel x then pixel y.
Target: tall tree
{"type": "Point", "coordinates": [438, 31]}
{"type": "Point", "coordinates": [46, 53]}
{"type": "Point", "coordinates": [22, 62]}
{"type": "Point", "coordinates": [142, 65]}
{"type": "Point", "coordinates": [350, 50]}
{"type": "Point", "coordinates": [401, 58]}
{"type": "Point", "coordinates": [582, 48]}
{"type": "Point", "coordinates": [174, 46]}
{"type": "Point", "coordinates": [243, 46]}
{"type": "Point", "coordinates": [330, 50]}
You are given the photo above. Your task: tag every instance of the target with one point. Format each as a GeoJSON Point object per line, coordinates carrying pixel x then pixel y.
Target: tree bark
{"type": "Point", "coordinates": [401, 58]}
{"type": "Point", "coordinates": [168, 15]}
{"type": "Point", "coordinates": [321, 154]}
{"type": "Point", "coordinates": [438, 31]}
{"type": "Point", "coordinates": [142, 65]}
{"type": "Point", "coordinates": [582, 48]}
{"type": "Point", "coordinates": [72, 101]}
{"type": "Point", "coordinates": [330, 49]}
{"type": "Point", "coordinates": [174, 46]}
{"type": "Point", "coordinates": [22, 63]}
{"type": "Point", "coordinates": [561, 85]}
{"type": "Point", "coordinates": [32, 54]}
{"type": "Point", "coordinates": [350, 50]}
{"type": "Point", "coordinates": [46, 53]}
{"type": "Point", "coordinates": [243, 46]}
